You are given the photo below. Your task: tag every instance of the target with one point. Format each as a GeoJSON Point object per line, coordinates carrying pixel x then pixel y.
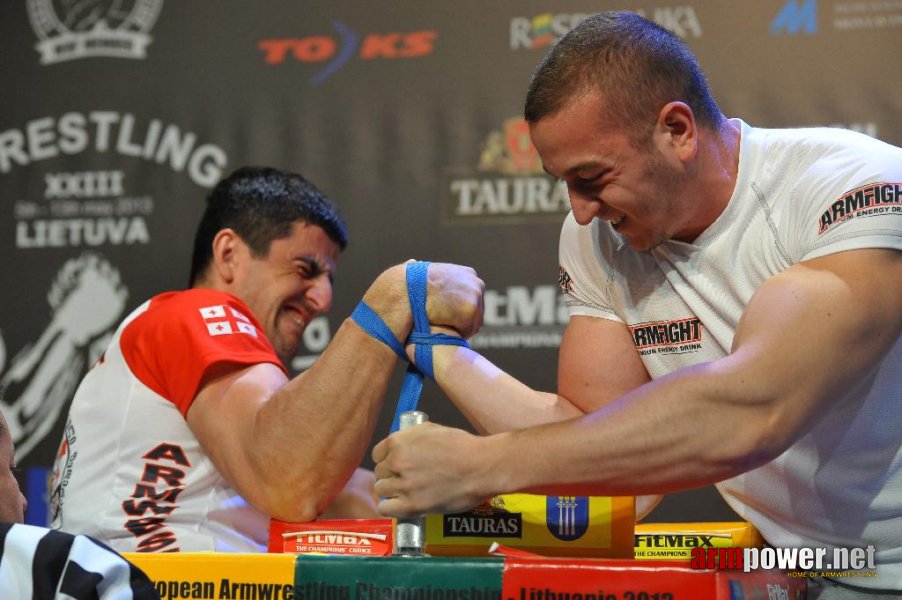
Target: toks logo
{"type": "Point", "coordinates": [508, 186]}
{"type": "Point", "coordinates": [72, 30]}
{"type": "Point", "coordinates": [336, 53]}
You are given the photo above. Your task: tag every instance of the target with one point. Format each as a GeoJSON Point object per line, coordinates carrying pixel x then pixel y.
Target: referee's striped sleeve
{"type": "Point", "coordinates": [39, 563]}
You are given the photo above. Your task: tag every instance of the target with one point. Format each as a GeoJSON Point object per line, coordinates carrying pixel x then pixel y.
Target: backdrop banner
{"type": "Point", "coordinates": [118, 117]}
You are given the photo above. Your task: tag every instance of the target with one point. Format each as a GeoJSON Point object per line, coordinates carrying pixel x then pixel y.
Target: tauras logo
{"type": "Point", "coordinates": [867, 200]}
{"type": "Point", "coordinates": [505, 197]}
{"type": "Point", "coordinates": [104, 132]}
{"type": "Point", "coordinates": [501, 524]}
{"type": "Point", "coordinates": [508, 185]}
{"type": "Point", "coordinates": [72, 30]}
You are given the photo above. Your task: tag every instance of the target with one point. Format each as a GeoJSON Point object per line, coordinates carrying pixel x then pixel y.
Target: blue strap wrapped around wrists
{"type": "Point", "coordinates": [423, 341]}
{"type": "Point", "coordinates": [373, 324]}
{"type": "Point", "coordinates": [421, 337]}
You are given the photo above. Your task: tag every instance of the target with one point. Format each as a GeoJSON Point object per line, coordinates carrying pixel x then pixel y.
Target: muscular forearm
{"type": "Point", "coordinates": [337, 402]}
{"type": "Point", "coordinates": [665, 435]}
{"type": "Point", "coordinates": [676, 432]}
{"type": "Point", "coordinates": [716, 420]}
{"type": "Point", "coordinates": [696, 426]}
{"type": "Point", "coordinates": [289, 446]}
{"type": "Point", "coordinates": [489, 398]}
{"type": "Point", "coordinates": [313, 432]}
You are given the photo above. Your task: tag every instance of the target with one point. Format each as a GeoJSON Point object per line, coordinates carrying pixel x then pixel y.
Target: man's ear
{"type": "Point", "coordinates": [677, 132]}
{"type": "Point", "coordinates": [228, 252]}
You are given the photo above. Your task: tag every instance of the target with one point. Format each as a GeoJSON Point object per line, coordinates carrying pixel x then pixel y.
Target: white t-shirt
{"type": "Point", "coordinates": [800, 194]}
{"type": "Point", "coordinates": [130, 472]}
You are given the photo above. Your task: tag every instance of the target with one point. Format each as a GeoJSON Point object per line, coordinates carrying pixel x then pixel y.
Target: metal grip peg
{"type": "Point", "coordinates": [410, 534]}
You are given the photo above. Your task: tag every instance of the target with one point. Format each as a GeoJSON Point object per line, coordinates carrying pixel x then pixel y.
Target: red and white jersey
{"type": "Point", "coordinates": [129, 471]}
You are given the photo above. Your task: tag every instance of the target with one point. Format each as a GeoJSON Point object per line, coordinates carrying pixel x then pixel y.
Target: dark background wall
{"type": "Point", "coordinates": [117, 116]}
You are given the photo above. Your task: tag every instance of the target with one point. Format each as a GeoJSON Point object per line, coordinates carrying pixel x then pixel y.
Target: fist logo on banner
{"type": "Point", "coordinates": [86, 300]}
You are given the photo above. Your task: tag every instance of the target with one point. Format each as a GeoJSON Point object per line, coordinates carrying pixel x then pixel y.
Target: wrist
{"type": "Point", "coordinates": [496, 475]}
{"type": "Point", "coordinates": [387, 296]}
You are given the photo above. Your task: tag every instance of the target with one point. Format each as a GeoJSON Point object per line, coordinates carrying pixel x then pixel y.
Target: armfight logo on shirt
{"type": "Point", "coordinates": [663, 337]}
{"type": "Point", "coordinates": [866, 201]}
{"type": "Point", "coordinates": [225, 320]}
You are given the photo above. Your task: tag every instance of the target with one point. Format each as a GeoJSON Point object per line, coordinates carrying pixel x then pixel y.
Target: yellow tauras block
{"type": "Point", "coordinates": [592, 526]}
{"type": "Point", "coordinates": [218, 574]}
{"type": "Point", "coordinates": [676, 540]}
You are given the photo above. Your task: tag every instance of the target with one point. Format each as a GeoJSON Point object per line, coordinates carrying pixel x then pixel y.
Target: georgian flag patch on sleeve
{"type": "Point", "coordinates": [225, 320]}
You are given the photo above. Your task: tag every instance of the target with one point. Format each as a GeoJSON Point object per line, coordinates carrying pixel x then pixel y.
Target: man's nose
{"type": "Point", "coordinates": [319, 295]}
{"type": "Point", "coordinates": [585, 206]}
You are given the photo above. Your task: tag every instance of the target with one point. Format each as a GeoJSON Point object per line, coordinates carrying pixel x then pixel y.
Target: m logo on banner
{"type": "Point", "coordinates": [796, 16]}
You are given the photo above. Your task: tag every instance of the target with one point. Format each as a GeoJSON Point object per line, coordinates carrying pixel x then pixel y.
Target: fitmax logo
{"type": "Point", "coordinates": [796, 16]}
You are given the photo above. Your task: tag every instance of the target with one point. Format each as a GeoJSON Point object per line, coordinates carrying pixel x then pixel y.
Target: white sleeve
{"type": "Point", "coordinates": [848, 201]}
{"type": "Point", "coordinates": [585, 274]}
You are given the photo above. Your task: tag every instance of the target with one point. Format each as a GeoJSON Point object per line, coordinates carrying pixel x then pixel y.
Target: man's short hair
{"type": "Point", "coordinates": [636, 65]}
{"type": "Point", "coordinates": [261, 204]}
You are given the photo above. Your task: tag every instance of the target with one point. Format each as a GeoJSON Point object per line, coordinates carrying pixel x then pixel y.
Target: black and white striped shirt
{"type": "Point", "coordinates": [40, 563]}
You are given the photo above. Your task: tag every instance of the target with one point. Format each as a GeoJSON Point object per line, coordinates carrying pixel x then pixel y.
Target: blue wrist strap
{"type": "Point", "coordinates": [422, 340]}
{"type": "Point", "coordinates": [420, 337]}
{"type": "Point", "coordinates": [373, 324]}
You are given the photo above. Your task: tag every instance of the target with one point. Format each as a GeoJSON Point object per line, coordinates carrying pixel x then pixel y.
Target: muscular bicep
{"type": "Point", "coordinates": [813, 332]}
{"type": "Point", "coordinates": [598, 362]}
{"type": "Point", "coordinates": [223, 418]}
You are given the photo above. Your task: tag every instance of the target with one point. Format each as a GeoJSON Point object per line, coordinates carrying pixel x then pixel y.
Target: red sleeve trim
{"type": "Point", "coordinates": [173, 344]}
